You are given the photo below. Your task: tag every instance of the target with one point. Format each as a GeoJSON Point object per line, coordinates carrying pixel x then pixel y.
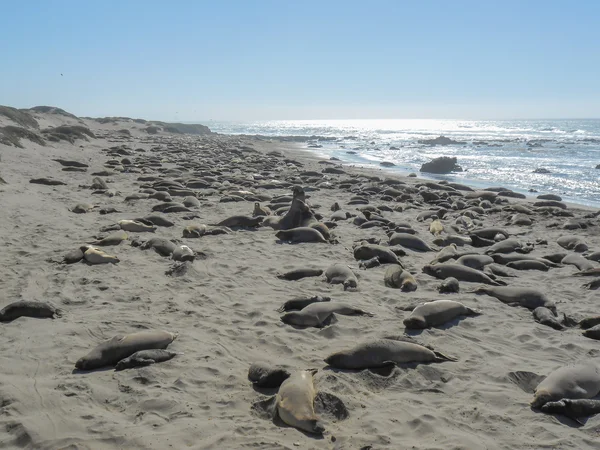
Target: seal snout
{"type": "Point", "coordinates": [317, 427]}
{"type": "Point", "coordinates": [81, 364]}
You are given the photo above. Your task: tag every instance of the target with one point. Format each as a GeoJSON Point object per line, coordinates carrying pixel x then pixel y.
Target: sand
{"type": "Point", "coordinates": [224, 310]}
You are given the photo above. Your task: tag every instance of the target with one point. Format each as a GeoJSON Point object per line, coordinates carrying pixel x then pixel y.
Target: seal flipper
{"type": "Point", "coordinates": [474, 312]}
{"type": "Point", "coordinates": [569, 321]}
{"type": "Point", "coordinates": [527, 381]}
{"type": "Point", "coordinates": [266, 409]}
{"type": "Point", "coordinates": [440, 357]}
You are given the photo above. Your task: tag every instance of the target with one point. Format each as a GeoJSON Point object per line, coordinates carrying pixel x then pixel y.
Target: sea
{"type": "Point", "coordinates": [508, 153]}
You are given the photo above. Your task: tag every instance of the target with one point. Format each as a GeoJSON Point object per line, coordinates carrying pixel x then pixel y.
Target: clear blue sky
{"type": "Point", "coordinates": [199, 60]}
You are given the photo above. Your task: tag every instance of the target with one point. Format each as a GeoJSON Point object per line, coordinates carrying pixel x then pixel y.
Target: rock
{"type": "Point", "coordinates": [68, 163]}
{"type": "Point", "coordinates": [598, 166]}
{"type": "Point", "coordinates": [541, 170]}
{"type": "Point", "coordinates": [387, 164]}
{"type": "Point", "coordinates": [394, 148]}
{"type": "Point", "coordinates": [442, 140]}
{"type": "Point", "coordinates": [412, 175]}
{"type": "Point", "coordinates": [47, 181]}
{"type": "Point", "coordinates": [444, 164]}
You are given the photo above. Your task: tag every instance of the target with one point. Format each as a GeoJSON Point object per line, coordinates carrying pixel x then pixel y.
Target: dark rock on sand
{"type": "Point", "coordinates": [444, 164]}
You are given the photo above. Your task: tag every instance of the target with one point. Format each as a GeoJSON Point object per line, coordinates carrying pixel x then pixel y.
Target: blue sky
{"type": "Point", "coordinates": [253, 60]}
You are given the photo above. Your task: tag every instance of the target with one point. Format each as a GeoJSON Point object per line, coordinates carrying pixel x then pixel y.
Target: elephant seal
{"type": "Point", "coordinates": [572, 243]}
{"type": "Point", "coordinates": [446, 254]}
{"type": "Point", "coordinates": [341, 274]}
{"type": "Point", "coordinates": [110, 352]}
{"type": "Point", "coordinates": [573, 408]}
{"type": "Point", "coordinates": [145, 358]}
{"type": "Point", "coordinates": [589, 322]}
{"type": "Point", "coordinates": [24, 308]}
{"type": "Point", "coordinates": [300, 235]}
{"type": "Point", "coordinates": [449, 286]}
{"type": "Point", "coordinates": [383, 352]}
{"type": "Point", "coordinates": [518, 296]}
{"type": "Point", "coordinates": [135, 226]}
{"type": "Point", "coordinates": [74, 256]}
{"type": "Point", "coordinates": [592, 285]}
{"type": "Point", "coordinates": [295, 402]}
{"type": "Point", "coordinates": [94, 255]}
{"type": "Point", "coordinates": [507, 246]}
{"type": "Point", "coordinates": [265, 376]}
{"type": "Point", "coordinates": [296, 304]}
{"type": "Point", "coordinates": [298, 274]}
{"type": "Point", "coordinates": [191, 202]}
{"type": "Point", "coordinates": [409, 241]}
{"type": "Point", "coordinates": [490, 233]}
{"type": "Point", "coordinates": [438, 312]}
{"type": "Point", "coordinates": [112, 239]}
{"type": "Point", "coordinates": [162, 246]}
{"type": "Point", "coordinates": [260, 210]}
{"type": "Point", "coordinates": [578, 261]}
{"type": "Point", "coordinates": [477, 262]}
{"type": "Point", "coordinates": [183, 253]}
{"type": "Point", "coordinates": [82, 208]}
{"type": "Point", "coordinates": [576, 381]}
{"type": "Point", "coordinates": [593, 272]}
{"type": "Point", "coordinates": [157, 220]}
{"type": "Point", "coordinates": [595, 256]}
{"type": "Point", "coordinates": [436, 228]}
{"type": "Point", "coordinates": [556, 258]}
{"type": "Point", "coordinates": [397, 277]}
{"type": "Point", "coordinates": [593, 332]}
{"type": "Point", "coordinates": [366, 251]}
{"type": "Point", "coordinates": [527, 264]}
{"type": "Point", "coordinates": [240, 222]}
{"type": "Point", "coordinates": [318, 314]}
{"type": "Point", "coordinates": [461, 273]}
{"type": "Point", "coordinates": [544, 316]}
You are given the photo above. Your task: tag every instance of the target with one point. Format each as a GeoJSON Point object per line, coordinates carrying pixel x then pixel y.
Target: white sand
{"type": "Point", "coordinates": [225, 315]}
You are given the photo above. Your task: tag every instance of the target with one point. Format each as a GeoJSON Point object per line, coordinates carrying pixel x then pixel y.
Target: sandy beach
{"type": "Point", "coordinates": [223, 305]}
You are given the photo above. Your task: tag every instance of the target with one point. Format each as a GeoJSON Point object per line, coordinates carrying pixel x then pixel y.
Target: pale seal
{"type": "Point", "coordinates": [295, 402]}
{"type": "Point", "coordinates": [145, 358]}
{"type": "Point", "coordinates": [183, 253]}
{"type": "Point", "coordinates": [135, 226]}
{"type": "Point", "coordinates": [438, 312]}
{"type": "Point", "coordinates": [24, 308]}
{"type": "Point", "coordinates": [94, 255]}
{"type": "Point", "coordinates": [474, 261]}
{"type": "Point", "coordinates": [112, 239]}
{"type": "Point", "coordinates": [318, 314]}
{"type": "Point", "coordinates": [383, 352]}
{"type": "Point", "coordinates": [110, 352]}
{"type": "Point", "coordinates": [397, 277]}
{"type": "Point", "coordinates": [341, 274]}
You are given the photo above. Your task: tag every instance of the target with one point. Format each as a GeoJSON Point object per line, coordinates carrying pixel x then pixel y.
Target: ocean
{"type": "Point", "coordinates": [491, 153]}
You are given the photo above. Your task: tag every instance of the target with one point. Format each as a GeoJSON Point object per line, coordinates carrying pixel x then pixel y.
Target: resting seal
{"type": "Point", "coordinates": [296, 304]}
{"type": "Point", "coordinates": [573, 408]}
{"type": "Point", "coordinates": [301, 234]}
{"type": "Point", "coordinates": [461, 273]}
{"type": "Point", "coordinates": [317, 314]}
{"type": "Point", "coordinates": [135, 226]}
{"type": "Point", "coordinates": [298, 274]}
{"type": "Point", "coordinates": [110, 352]}
{"type": "Point", "coordinates": [397, 277]}
{"type": "Point", "coordinates": [518, 296]}
{"type": "Point", "coordinates": [145, 358]}
{"type": "Point", "coordinates": [94, 255]}
{"type": "Point", "coordinates": [546, 317]}
{"type": "Point", "coordinates": [265, 376]}
{"type": "Point", "coordinates": [24, 308]}
{"type": "Point", "coordinates": [572, 243]}
{"type": "Point", "coordinates": [436, 313]}
{"type": "Point", "coordinates": [341, 274]}
{"type": "Point", "coordinates": [295, 402]}
{"type": "Point", "coordinates": [409, 241]}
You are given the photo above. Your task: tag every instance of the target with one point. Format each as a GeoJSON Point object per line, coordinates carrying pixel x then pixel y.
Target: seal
{"type": "Point", "coordinates": [266, 376]}
{"type": "Point", "coordinates": [74, 256]}
{"type": "Point", "coordinates": [112, 239]}
{"type": "Point", "coordinates": [183, 253]}
{"type": "Point", "coordinates": [574, 409]}
{"type": "Point", "coordinates": [477, 262]}
{"type": "Point", "coordinates": [94, 255]}
{"type": "Point", "coordinates": [110, 352]}
{"type": "Point", "coordinates": [528, 264]}
{"type": "Point", "coordinates": [461, 273]}
{"type": "Point", "coordinates": [398, 278]}
{"type": "Point", "coordinates": [298, 274]}
{"type": "Point", "coordinates": [409, 241]}
{"type": "Point", "coordinates": [438, 312]}
{"type": "Point", "coordinates": [446, 254]}
{"type": "Point", "coordinates": [577, 381]}
{"type": "Point", "coordinates": [145, 358]}
{"type": "Point", "coordinates": [260, 210]}
{"type": "Point", "coordinates": [383, 352]}
{"type": "Point", "coordinates": [240, 222]}
{"type": "Point", "coordinates": [295, 402]}
{"type": "Point", "coordinates": [544, 316]}
{"type": "Point", "coordinates": [300, 235]}
{"type": "Point", "coordinates": [449, 286]}
{"type": "Point", "coordinates": [162, 246]}
{"type": "Point", "coordinates": [366, 251]}
{"type": "Point", "coordinates": [507, 246]}
{"type": "Point", "coordinates": [572, 243]}
{"type": "Point", "coordinates": [592, 285]}
{"type": "Point", "coordinates": [24, 308]}
{"type": "Point", "coordinates": [296, 304]}
{"type": "Point", "coordinates": [157, 220]}
{"type": "Point", "coordinates": [82, 208]}
{"type": "Point", "coordinates": [436, 228]}
{"type": "Point", "coordinates": [341, 274]}
{"type": "Point", "coordinates": [518, 296]}
{"type": "Point", "coordinates": [318, 314]}
{"type": "Point", "coordinates": [592, 333]}
{"type": "Point", "coordinates": [578, 261]}
{"type": "Point", "coordinates": [135, 226]}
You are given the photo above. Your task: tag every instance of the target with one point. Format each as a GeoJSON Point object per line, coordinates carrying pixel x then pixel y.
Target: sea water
{"type": "Point", "coordinates": [492, 153]}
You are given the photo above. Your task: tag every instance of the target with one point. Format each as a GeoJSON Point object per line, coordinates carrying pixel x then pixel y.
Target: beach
{"type": "Point", "coordinates": [223, 305]}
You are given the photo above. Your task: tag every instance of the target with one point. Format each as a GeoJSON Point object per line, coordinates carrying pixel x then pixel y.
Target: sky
{"type": "Point", "coordinates": [267, 60]}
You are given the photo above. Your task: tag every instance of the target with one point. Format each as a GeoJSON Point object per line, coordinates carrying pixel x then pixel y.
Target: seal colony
{"type": "Point", "coordinates": [222, 291]}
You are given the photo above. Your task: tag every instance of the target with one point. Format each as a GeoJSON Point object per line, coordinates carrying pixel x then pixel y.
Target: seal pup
{"type": "Point", "coordinates": [383, 352]}
{"type": "Point", "coordinates": [397, 277]}
{"type": "Point", "coordinates": [25, 308]}
{"type": "Point", "coordinates": [436, 228]}
{"type": "Point", "coordinates": [82, 208]}
{"type": "Point", "coordinates": [110, 352]}
{"type": "Point", "coordinates": [529, 298]}
{"type": "Point", "coordinates": [260, 210]}
{"type": "Point", "coordinates": [183, 253]}
{"type": "Point", "coordinates": [295, 402]}
{"type": "Point", "coordinates": [136, 226]}
{"type": "Point", "coordinates": [298, 274]}
{"type": "Point", "coordinates": [94, 255]}
{"type": "Point", "coordinates": [528, 264]}
{"type": "Point", "coordinates": [438, 312]}
{"type": "Point", "coordinates": [574, 409]}
{"type": "Point", "coordinates": [318, 314]}
{"type": "Point", "coordinates": [341, 274]}
{"type": "Point", "coordinates": [145, 358]}
{"type": "Point", "coordinates": [296, 304]}
{"type": "Point", "coordinates": [266, 376]}
{"type": "Point", "coordinates": [461, 273]}
{"type": "Point", "coordinates": [73, 256]}
{"type": "Point", "coordinates": [576, 381]}
{"type": "Point", "coordinates": [544, 316]}
{"type": "Point", "coordinates": [300, 235]}
{"type": "Point", "coordinates": [449, 286]}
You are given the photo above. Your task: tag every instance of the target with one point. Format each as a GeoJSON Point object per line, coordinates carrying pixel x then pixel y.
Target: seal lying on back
{"type": "Point", "coordinates": [296, 304]}
{"type": "Point", "coordinates": [341, 274]}
{"type": "Point", "coordinates": [24, 308]}
{"type": "Point", "coordinates": [518, 296]}
{"type": "Point", "coordinates": [573, 408]}
{"type": "Point", "coordinates": [397, 277]}
{"type": "Point", "coordinates": [94, 255]}
{"type": "Point", "coordinates": [135, 226]}
{"type": "Point", "coordinates": [461, 273]}
{"type": "Point", "coordinates": [110, 352]}
{"type": "Point", "coordinates": [295, 402]}
{"type": "Point", "coordinates": [317, 314]}
{"type": "Point", "coordinates": [145, 358]}
{"type": "Point", "coordinates": [383, 352]}
{"type": "Point", "coordinates": [431, 314]}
